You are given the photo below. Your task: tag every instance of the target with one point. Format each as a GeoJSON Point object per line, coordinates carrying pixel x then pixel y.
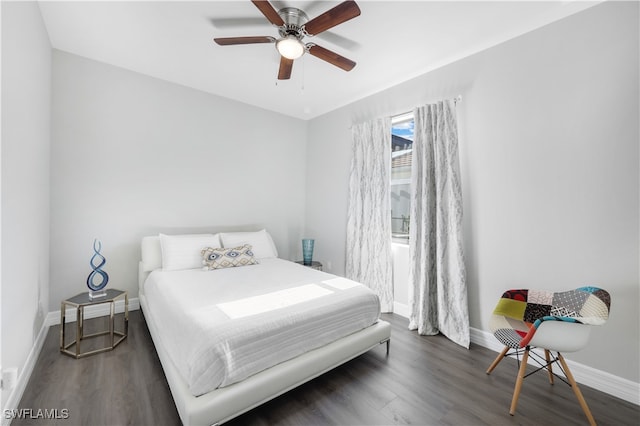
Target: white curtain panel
{"type": "Point", "coordinates": [437, 279]}
{"type": "Point", "coordinates": [369, 218]}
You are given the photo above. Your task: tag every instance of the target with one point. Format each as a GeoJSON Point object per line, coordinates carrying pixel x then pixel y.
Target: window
{"type": "Point", "coordinates": [401, 155]}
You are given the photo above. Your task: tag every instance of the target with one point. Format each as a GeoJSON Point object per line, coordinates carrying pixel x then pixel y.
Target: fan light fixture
{"type": "Point", "coordinates": [290, 47]}
{"type": "Point", "coordinates": [293, 26]}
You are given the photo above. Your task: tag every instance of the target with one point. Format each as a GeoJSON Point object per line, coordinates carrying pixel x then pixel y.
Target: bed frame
{"type": "Point", "coordinates": [223, 404]}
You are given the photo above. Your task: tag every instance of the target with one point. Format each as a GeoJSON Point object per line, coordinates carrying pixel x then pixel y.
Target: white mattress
{"type": "Point", "coordinates": [220, 327]}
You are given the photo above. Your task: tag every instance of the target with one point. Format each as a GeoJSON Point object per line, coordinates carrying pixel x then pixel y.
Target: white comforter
{"type": "Point", "coordinates": [220, 327]}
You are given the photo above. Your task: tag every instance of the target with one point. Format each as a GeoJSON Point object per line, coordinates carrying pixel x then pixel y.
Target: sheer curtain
{"type": "Point", "coordinates": [368, 217]}
{"type": "Point", "coordinates": [437, 280]}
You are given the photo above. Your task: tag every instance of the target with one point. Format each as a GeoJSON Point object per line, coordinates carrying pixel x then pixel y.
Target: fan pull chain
{"type": "Point", "coordinates": [304, 61]}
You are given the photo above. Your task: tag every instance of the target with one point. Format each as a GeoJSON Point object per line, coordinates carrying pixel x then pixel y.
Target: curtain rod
{"type": "Point", "coordinates": [400, 116]}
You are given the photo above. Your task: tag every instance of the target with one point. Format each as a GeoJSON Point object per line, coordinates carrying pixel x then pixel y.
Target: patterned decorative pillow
{"type": "Point", "coordinates": [218, 258]}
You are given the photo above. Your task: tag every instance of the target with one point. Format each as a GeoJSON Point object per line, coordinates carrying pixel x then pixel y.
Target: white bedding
{"type": "Point", "coordinates": [280, 310]}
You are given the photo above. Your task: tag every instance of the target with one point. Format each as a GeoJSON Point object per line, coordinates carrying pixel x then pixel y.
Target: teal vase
{"type": "Point", "coordinates": [307, 251]}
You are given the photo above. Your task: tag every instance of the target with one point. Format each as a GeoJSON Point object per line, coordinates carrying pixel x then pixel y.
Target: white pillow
{"type": "Point", "coordinates": [261, 242]}
{"type": "Point", "coordinates": [183, 251]}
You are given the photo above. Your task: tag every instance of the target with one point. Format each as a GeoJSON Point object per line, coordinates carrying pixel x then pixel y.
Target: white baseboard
{"type": "Point", "coordinates": [53, 318]}
{"type": "Point", "coordinates": [16, 393]}
{"type": "Point", "coordinates": [401, 309]}
{"type": "Point", "coordinates": [94, 311]}
{"type": "Point", "coordinates": [588, 376]}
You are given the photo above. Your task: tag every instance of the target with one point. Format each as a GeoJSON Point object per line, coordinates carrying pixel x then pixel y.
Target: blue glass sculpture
{"type": "Point", "coordinates": [97, 290]}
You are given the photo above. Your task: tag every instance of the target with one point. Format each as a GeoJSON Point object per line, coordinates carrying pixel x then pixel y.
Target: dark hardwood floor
{"type": "Point", "coordinates": [423, 381]}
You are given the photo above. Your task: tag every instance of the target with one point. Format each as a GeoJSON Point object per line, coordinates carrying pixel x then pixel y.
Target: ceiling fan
{"type": "Point", "coordinates": [294, 25]}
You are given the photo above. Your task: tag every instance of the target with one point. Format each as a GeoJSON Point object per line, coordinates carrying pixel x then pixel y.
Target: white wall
{"type": "Point", "coordinates": [401, 266]}
{"type": "Point", "coordinates": [133, 155]}
{"type": "Point", "coordinates": [549, 157]}
{"type": "Point", "coordinates": [26, 113]}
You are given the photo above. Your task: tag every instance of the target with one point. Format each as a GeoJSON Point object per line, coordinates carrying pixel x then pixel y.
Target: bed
{"type": "Point", "coordinates": [230, 338]}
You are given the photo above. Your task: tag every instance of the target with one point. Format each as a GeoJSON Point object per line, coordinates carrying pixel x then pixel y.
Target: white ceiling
{"type": "Point", "coordinates": [391, 41]}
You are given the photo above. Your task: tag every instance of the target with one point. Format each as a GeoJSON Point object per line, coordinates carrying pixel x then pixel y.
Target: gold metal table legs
{"type": "Point", "coordinates": [115, 337]}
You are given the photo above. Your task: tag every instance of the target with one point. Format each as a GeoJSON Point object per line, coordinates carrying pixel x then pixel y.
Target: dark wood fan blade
{"type": "Point", "coordinates": [331, 57]}
{"type": "Point", "coordinates": [332, 17]}
{"type": "Point", "coordinates": [284, 73]}
{"type": "Point", "coordinates": [227, 41]}
{"type": "Point", "coordinates": [269, 12]}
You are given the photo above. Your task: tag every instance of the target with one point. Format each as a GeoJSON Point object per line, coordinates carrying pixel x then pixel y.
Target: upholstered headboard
{"type": "Point", "coordinates": [151, 258]}
{"type": "Point", "coordinates": [179, 249]}
{"type": "Point", "coordinates": [151, 253]}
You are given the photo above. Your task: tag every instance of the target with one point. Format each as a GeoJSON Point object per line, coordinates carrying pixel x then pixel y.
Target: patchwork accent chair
{"type": "Point", "coordinates": [555, 322]}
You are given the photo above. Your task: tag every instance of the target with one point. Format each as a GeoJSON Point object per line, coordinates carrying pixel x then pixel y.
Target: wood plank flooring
{"type": "Point", "coordinates": [423, 381]}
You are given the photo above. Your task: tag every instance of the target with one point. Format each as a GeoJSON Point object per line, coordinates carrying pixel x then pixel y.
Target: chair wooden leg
{"type": "Point", "coordinates": [547, 356]}
{"type": "Point", "coordinates": [519, 380]}
{"type": "Point", "coordinates": [576, 390]}
{"type": "Point", "coordinates": [496, 361]}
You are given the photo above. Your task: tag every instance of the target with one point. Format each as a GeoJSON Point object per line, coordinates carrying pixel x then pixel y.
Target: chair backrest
{"type": "Point", "coordinates": [584, 305]}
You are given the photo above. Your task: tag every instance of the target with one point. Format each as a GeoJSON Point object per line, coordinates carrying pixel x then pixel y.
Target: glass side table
{"type": "Point", "coordinates": [314, 264]}
{"type": "Point", "coordinates": [80, 302]}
